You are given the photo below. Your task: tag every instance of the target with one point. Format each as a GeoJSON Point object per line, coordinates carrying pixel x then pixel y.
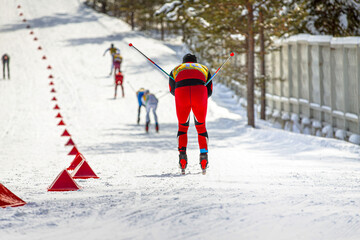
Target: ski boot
{"type": "Point", "coordinates": [182, 162]}
{"type": "Point", "coordinates": [203, 162]}
{"type": "Point", "coordinates": [157, 127]}
{"type": "Point", "coordinates": [147, 127]}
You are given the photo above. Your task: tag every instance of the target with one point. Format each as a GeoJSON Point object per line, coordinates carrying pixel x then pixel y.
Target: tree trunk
{"type": "Point", "coordinates": [262, 68]}
{"type": "Point", "coordinates": [250, 82]}
{"type": "Point", "coordinates": [132, 17]}
{"type": "Point", "coordinates": [103, 6]}
{"type": "Point", "coordinates": [162, 28]}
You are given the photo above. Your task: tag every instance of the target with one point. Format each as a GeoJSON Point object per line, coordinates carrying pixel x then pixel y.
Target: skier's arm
{"type": "Point", "coordinates": [106, 51]}
{"type": "Point", "coordinates": [143, 100]}
{"type": "Point", "coordinates": [209, 86]}
{"type": "Point", "coordinates": [172, 84]}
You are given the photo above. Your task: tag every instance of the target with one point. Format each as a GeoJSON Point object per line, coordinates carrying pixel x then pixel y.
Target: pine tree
{"type": "Point", "coordinates": [325, 17]}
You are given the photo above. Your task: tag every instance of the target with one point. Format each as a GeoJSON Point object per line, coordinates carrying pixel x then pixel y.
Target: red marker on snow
{"type": "Point", "coordinates": [232, 54]}
{"type": "Point", "coordinates": [130, 44]}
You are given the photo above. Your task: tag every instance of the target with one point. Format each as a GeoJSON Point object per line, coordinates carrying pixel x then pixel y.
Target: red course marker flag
{"type": "Point", "coordinates": [78, 159]}
{"type": "Point", "coordinates": [8, 199]}
{"type": "Point", "coordinates": [70, 143]}
{"type": "Point", "coordinates": [61, 123]}
{"type": "Point", "coordinates": [65, 134]}
{"type": "Point", "coordinates": [83, 171]}
{"type": "Point", "coordinates": [64, 182]}
{"type": "Point", "coordinates": [73, 151]}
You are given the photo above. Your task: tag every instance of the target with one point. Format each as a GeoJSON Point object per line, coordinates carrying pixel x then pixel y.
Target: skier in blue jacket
{"type": "Point", "coordinates": [139, 94]}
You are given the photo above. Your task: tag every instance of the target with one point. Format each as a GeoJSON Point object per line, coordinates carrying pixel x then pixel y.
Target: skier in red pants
{"type": "Point", "coordinates": [191, 94]}
{"type": "Point", "coordinates": [119, 78]}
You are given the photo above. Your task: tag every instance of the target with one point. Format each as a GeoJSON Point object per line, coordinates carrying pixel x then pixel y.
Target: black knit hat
{"type": "Point", "coordinates": [189, 58]}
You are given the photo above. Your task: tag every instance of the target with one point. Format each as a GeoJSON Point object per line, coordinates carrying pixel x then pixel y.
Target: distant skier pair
{"type": "Point", "coordinates": [116, 58]}
{"type": "Point", "coordinates": [5, 59]}
{"type": "Point", "coordinates": [150, 102]}
{"type": "Point", "coordinates": [116, 64]}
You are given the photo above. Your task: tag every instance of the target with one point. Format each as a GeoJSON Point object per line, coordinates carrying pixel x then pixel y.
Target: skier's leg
{"type": "Point", "coordinates": [8, 69]}
{"type": "Point", "coordinates": [147, 118]}
{"type": "Point", "coordinates": [115, 90]}
{"type": "Point", "coordinates": [156, 119]}
{"type": "Point", "coordinates": [3, 70]}
{"type": "Point", "coordinates": [199, 107]}
{"type": "Point", "coordinates": [154, 112]}
{"type": "Point", "coordinates": [148, 108]}
{"type": "Point", "coordinates": [122, 90]}
{"type": "Point", "coordinates": [183, 108]}
{"type": "Point", "coordinates": [138, 119]}
{"type": "Point", "coordinates": [112, 65]}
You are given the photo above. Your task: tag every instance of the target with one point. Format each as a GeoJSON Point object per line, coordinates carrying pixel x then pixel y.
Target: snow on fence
{"type": "Point", "coordinates": [318, 78]}
{"type": "Point", "coordinates": [316, 81]}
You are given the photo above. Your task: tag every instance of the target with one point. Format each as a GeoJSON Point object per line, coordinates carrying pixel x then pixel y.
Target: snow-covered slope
{"type": "Point", "coordinates": [262, 183]}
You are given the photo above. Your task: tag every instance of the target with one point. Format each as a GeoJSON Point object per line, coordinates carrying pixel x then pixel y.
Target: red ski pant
{"type": "Point", "coordinates": [186, 99]}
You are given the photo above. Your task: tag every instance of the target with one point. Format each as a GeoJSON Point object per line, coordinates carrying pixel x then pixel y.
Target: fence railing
{"type": "Point", "coordinates": [314, 84]}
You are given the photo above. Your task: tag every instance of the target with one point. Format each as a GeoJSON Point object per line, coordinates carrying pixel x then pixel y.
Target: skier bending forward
{"type": "Point", "coordinates": [150, 102]}
{"type": "Point", "coordinates": [191, 94]}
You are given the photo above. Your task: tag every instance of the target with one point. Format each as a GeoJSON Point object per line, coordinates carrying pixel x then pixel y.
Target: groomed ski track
{"type": "Point", "coordinates": [262, 183]}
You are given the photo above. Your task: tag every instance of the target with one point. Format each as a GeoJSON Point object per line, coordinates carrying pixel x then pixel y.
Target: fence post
{"type": "Point", "coordinates": [358, 87]}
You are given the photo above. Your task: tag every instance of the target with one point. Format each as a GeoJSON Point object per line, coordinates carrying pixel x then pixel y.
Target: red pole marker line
{"type": "Point", "coordinates": [131, 45]}
{"type": "Point", "coordinates": [231, 54]}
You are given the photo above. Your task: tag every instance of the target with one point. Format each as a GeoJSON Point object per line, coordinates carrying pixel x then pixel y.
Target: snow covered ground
{"type": "Point", "coordinates": [262, 183]}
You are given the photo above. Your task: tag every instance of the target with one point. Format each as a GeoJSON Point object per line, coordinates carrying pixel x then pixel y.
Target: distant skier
{"type": "Point", "coordinates": [113, 51]}
{"type": "Point", "coordinates": [119, 78]}
{"type": "Point", "coordinates": [117, 61]}
{"type": "Point", "coordinates": [150, 102]}
{"type": "Point", "coordinates": [191, 94]}
{"type": "Point", "coordinates": [139, 94]}
{"type": "Point", "coordinates": [6, 62]}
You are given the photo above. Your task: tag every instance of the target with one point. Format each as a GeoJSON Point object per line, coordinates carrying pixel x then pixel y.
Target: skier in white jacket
{"type": "Point", "coordinates": [150, 102]}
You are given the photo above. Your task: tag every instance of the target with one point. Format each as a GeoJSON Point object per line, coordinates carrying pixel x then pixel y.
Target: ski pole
{"type": "Point", "coordinates": [131, 45]}
{"type": "Point", "coordinates": [163, 95]}
{"type": "Point", "coordinates": [231, 54]}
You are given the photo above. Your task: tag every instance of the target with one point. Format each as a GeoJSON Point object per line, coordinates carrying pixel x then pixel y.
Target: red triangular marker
{"type": "Point", "coordinates": [44, 57]}
{"type": "Point", "coordinates": [19, 6]}
{"type": "Point", "coordinates": [54, 99]}
{"type": "Point", "coordinates": [8, 199]}
{"type": "Point", "coordinates": [28, 26]}
{"type": "Point", "coordinates": [39, 48]}
{"type": "Point", "coordinates": [58, 115]}
{"type": "Point", "coordinates": [35, 38]}
{"type": "Point", "coordinates": [31, 33]}
{"type": "Point", "coordinates": [78, 159]}
{"type": "Point", "coordinates": [61, 123]}
{"type": "Point", "coordinates": [73, 151]}
{"type": "Point", "coordinates": [64, 182]}
{"type": "Point", "coordinates": [51, 83]}
{"type": "Point", "coordinates": [70, 143]}
{"type": "Point", "coordinates": [53, 90]}
{"type": "Point", "coordinates": [56, 107]}
{"type": "Point", "coordinates": [83, 171]}
{"type": "Point", "coordinates": [24, 20]}
{"type": "Point", "coordinates": [65, 134]}
{"type": "Point", "coordinates": [20, 14]}
{"type": "Point", "coordinates": [51, 76]}
{"type": "Point", "coordinates": [49, 67]}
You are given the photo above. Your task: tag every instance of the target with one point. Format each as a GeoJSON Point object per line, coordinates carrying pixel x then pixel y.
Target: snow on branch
{"type": "Point", "coordinates": [168, 7]}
